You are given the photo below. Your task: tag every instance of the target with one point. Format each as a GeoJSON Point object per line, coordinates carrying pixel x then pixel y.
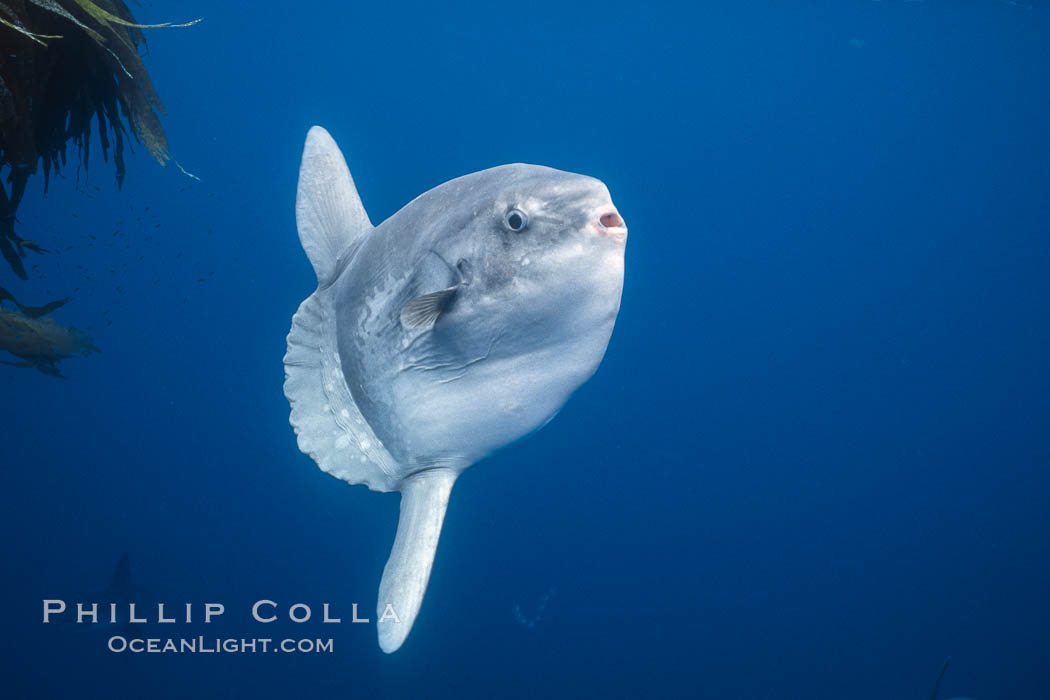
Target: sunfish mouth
{"type": "Point", "coordinates": [610, 224]}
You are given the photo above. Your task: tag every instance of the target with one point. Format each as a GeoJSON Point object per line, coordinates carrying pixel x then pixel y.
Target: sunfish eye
{"type": "Point", "coordinates": [516, 220]}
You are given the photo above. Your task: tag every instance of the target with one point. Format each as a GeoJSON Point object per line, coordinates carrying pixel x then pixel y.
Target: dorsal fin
{"type": "Point", "coordinates": [32, 311]}
{"type": "Point", "coordinates": [328, 210]}
{"type": "Point", "coordinates": [38, 311]}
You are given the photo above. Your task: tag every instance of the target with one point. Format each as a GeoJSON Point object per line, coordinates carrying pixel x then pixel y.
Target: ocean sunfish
{"type": "Point", "coordinates": [458, 325]}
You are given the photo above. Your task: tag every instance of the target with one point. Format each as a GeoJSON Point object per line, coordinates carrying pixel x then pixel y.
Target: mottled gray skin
{"type": "Point", "coordinates": [528, 323]}
{"type": "Point", "coordinates": [444, 333]}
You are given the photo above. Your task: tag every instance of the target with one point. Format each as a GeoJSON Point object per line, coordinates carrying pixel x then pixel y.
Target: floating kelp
{"type": "Point", "coordinates": [62, 63]}
{"type": "Point", "coordinates": [39, 342]}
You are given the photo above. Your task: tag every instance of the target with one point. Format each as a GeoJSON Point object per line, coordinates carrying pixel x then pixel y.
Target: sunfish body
{"type": "Point", "coordinates": [456, 326]}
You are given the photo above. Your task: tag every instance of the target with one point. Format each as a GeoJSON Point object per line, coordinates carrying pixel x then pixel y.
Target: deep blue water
{"type": "Point", "coordinates": [814, 463]}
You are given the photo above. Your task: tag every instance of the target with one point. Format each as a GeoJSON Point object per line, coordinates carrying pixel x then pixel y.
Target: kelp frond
{"type": "Point", "coordinates": [54, 6]}
{"type": "Point", "coordinates": [65, 64]}
{"type": "Point", "coordinates": [13, 23]}
{"type": "Point", "coordinates": [106, 17]}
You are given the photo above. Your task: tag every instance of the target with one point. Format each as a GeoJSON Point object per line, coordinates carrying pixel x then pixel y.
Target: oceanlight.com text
{"type": "Point", "coordinates": [217, 645]}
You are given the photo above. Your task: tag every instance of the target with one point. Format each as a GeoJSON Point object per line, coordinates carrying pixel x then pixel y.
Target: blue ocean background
{"type": "Point", "coordinates": [815, 462]}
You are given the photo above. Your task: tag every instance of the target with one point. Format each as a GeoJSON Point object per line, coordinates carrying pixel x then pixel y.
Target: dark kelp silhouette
{"type": "Point", "coordinates": [63, 62]}
{"type": "Point", "coordinates": [39, 342]}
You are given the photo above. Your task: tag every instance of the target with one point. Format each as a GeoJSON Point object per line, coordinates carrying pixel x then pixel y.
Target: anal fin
{"type": "Point", "coordinates": [424, 499]}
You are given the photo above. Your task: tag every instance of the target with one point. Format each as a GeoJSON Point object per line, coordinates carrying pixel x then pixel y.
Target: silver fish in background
{"type": "Point", "coordinates": [39, 342]}
{"type": "Point", "coordinates": [458, 325]}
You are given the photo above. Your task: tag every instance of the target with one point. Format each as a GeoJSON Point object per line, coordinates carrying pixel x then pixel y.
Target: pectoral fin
{"type": "Point", "coordinates": [424, 311]}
